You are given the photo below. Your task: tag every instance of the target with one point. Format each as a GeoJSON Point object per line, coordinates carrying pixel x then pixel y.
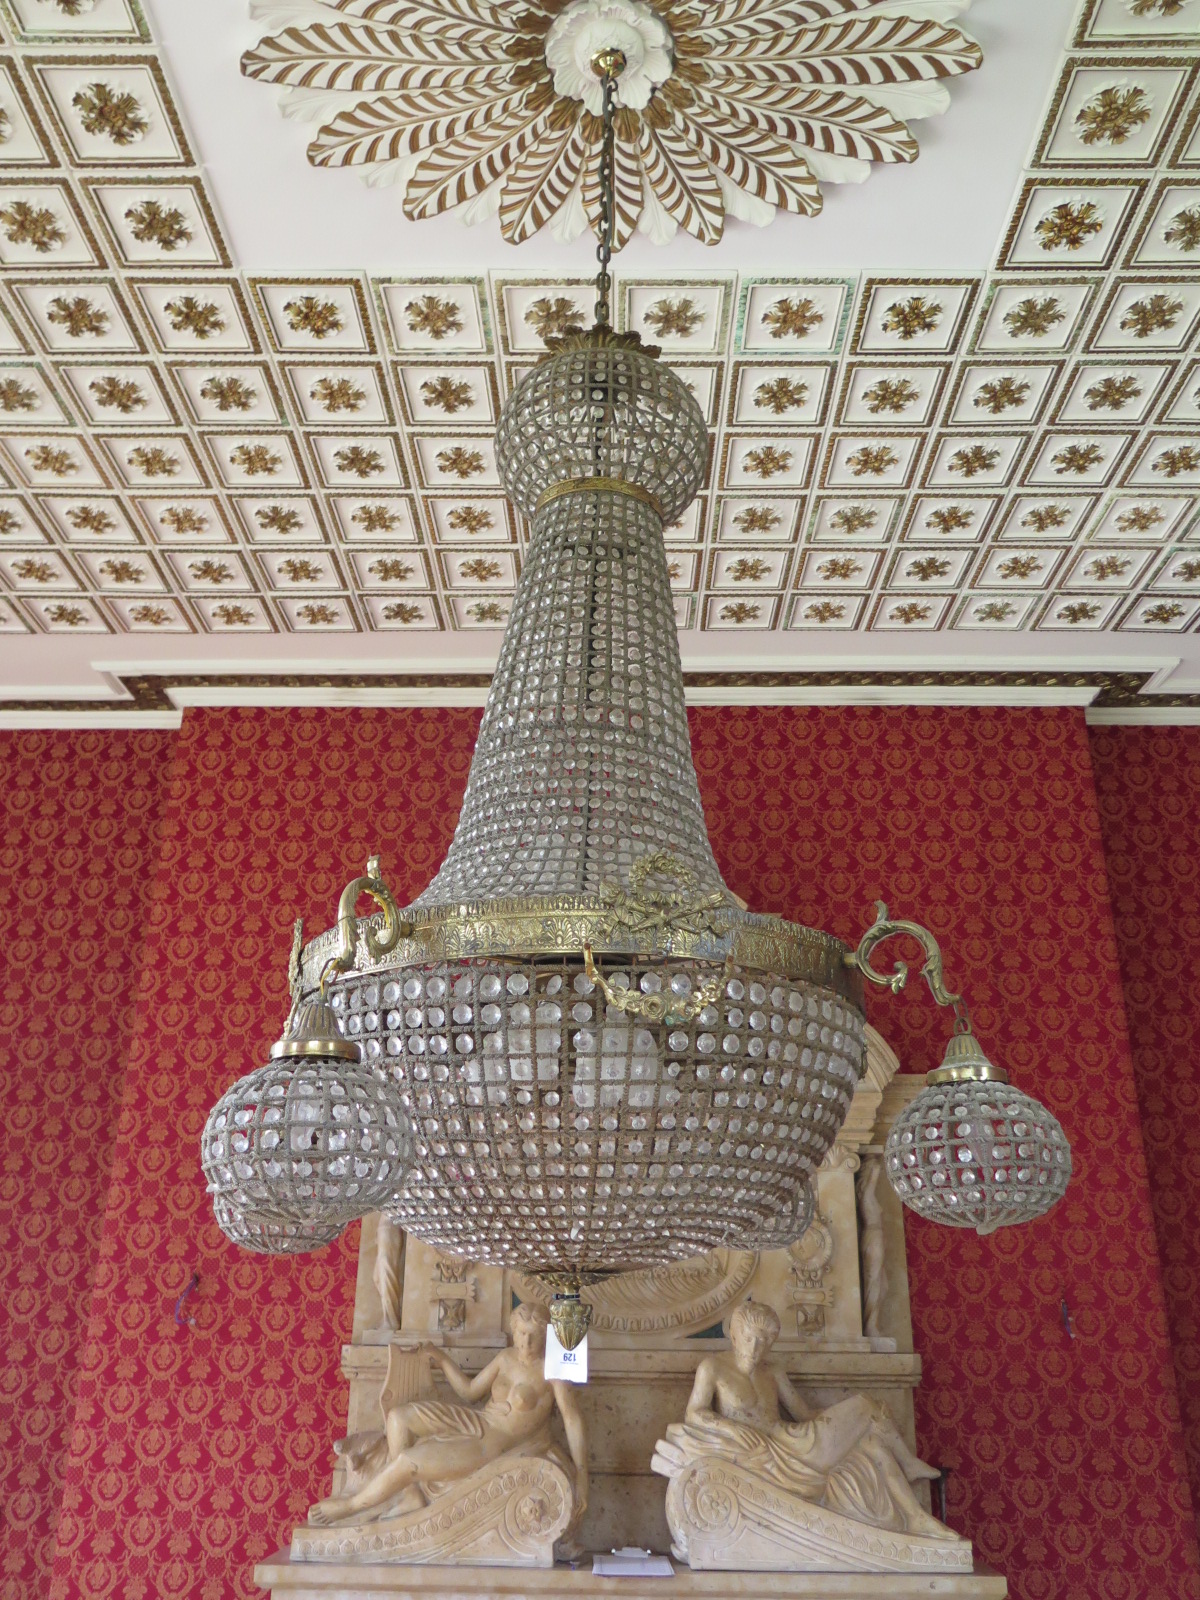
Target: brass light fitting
{"type": "Point", "coordinates": [609, 62]}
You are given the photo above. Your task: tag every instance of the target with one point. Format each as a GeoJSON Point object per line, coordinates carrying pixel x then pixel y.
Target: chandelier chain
{"type": "Point", "coordinates": [606, 221]}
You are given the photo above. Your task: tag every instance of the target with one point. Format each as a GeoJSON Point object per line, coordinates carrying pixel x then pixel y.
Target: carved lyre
{"type": "Point", "coordinates": [408, 1378]}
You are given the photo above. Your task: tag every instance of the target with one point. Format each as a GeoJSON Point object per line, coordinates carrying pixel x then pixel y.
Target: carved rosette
{"type": "Point", "coordinates": [737, 109]}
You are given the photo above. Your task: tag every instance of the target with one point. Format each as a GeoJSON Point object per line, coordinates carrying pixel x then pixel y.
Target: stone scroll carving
{"type": "Point", "coordinates": [829, 1490]}
{"type": "Point", "coordinates": [725, 1518]}
{"type": "Point", "coordinates": [511, 1513]}
{"type": "Point", "coordinates": [456, 1482]}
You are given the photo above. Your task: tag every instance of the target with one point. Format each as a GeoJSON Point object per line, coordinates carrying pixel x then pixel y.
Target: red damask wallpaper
{"type": "Point", "coordinates": [78, 839]}
{"type": "Point", "coordinates": [196, 1448]}
{"type": "Point", "coordinates": [983, 824]}
{"type": "Point", "coordinates": [1148, 780]}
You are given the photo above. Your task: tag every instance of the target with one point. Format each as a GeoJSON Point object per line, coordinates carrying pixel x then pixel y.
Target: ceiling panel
{"type": "Point", "coordinates": [217, 441]}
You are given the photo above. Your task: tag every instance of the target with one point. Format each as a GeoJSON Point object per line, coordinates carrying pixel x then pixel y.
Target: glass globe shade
{"type": "Point", "coordinates": [977, 1154]}
{"type": "Point", "coordinates": [305, 1145]}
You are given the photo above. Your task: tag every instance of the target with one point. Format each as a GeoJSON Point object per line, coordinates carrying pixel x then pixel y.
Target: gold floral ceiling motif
{"type": "Point", "coordinates": [726, 107]}
{"type": "Point", "coordinates": [190, 448]}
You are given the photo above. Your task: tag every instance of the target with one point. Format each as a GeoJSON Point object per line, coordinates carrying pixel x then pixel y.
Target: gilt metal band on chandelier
{"type": "Point", "coordinates": [557, 925]}
{"type": "Point", "coordinates": [601, 486]}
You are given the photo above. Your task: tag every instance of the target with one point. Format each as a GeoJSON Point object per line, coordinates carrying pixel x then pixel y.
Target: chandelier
{"type": "Point", "coordinates": [605, 1059]}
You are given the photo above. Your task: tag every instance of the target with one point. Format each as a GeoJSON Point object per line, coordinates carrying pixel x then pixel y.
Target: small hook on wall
{"type": "Point", "coordinates": [939, 1486]}
{"type": "Point", "coordinates": [1068, 1321]}
{"type": "Point", "coordinates": [193, 1285]}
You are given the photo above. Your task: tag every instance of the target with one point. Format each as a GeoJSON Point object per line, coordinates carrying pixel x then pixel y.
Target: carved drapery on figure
{"type": "Point", "coordinates": [389, 1257]}
{"type": "Point", "coordinates": [826, 1490]}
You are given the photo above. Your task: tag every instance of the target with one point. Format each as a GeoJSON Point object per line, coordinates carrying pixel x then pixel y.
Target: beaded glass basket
{"type": "Point", "coordinates": [555, 1132]}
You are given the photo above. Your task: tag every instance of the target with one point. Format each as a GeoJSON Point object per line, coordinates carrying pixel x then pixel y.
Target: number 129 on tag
{"type": "Point", "coordinates": [570, 1366]}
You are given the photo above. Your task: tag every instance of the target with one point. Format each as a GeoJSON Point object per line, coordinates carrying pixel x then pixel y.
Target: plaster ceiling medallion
{"type": "Point", "coordinates": [727, 107]}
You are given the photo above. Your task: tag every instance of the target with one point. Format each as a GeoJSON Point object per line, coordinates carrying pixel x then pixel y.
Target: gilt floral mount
{"type": "Point", "coordinates": [726, 108]}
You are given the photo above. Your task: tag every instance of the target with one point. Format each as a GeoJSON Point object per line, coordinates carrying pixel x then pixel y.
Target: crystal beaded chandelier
{"type": "Point", "coordinates": [607, 1061]}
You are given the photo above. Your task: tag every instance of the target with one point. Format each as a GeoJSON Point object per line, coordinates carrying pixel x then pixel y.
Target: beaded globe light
{"type": "Point", "coordinates": [301, 1147]}
{"type": "Point", "coordinates": [271, 1238]}
{"type": "Point", "coordinates": [969, 1151]}
{"type": "Point", "coordinates": [973, 1152]}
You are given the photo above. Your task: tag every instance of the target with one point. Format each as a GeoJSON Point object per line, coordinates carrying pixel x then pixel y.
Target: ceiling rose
{"type": "Point", "coordinates": [729, 107]}
{"type": "Point", "coordinates": [585, 27]}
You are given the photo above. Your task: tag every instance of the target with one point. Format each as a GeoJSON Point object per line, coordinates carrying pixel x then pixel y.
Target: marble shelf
{"type": "Point", "coordinates": [310, 1580]}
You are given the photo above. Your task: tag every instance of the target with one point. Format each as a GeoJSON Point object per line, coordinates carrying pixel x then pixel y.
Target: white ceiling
{"type": "Point", "coordinates": [944, 214]}
{"type": "Point", "coordinates": [71, 636]}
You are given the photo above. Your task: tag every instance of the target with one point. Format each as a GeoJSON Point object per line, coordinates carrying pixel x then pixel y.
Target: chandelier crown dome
{"type": "Point", "coordinates": [602, 408]}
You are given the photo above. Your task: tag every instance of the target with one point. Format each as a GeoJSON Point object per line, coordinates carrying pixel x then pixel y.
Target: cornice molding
{"type": "Point", "coordinates": [158, 699]}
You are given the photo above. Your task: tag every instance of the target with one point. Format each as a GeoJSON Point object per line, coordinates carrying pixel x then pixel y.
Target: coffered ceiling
{"type": "Point", "coordinates": [246, 404]}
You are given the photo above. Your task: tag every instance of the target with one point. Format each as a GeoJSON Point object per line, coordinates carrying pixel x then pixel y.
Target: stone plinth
{"type": "Point", "coordinates": [289, 1580]}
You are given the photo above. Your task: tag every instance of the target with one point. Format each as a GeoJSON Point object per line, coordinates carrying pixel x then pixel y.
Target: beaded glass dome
{"type": "Point", "coordinates": [556, 1133]}
{"type": "Point", "coordinates": [603, 408]}
{"type": "Point", "coordinates": [977, 1155]}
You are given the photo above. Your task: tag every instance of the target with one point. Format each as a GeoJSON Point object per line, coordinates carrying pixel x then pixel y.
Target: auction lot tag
{"type": "Point", "coordinates": [570, 1365]}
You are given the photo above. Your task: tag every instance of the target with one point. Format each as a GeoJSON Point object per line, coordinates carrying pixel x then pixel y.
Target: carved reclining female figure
{"type": "Point", "coordinates": [432, 1443]}
{"type": "Point", "coordinates": [849, 1458]}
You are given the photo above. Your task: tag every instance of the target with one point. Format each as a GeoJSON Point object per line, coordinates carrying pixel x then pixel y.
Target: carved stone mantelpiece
{"type": "Point", "coordinates": [288, 1580]}
{"type": "Point", "coordinates": [648, 1335]}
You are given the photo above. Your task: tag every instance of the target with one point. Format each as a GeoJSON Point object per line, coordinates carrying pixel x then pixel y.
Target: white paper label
{"type": "Point", "coordinates": [631, 1563]}
{"type": "Point", "coordinates": [570, 1365]}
